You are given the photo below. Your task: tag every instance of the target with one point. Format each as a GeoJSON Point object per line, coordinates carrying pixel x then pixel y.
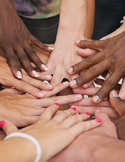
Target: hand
{"type": "Point", "coordinates": [16, 40]}
{"type": "Point", "coordinates": [86, 105]}
{"type": "Point", "coordinates": [100, 62]}
{"type": "Point", "coordinates": [23, 110]}
{"type": "Point", "coordinates": [49, 131]}
{"type": "Point", "coordinates": [93, 145]}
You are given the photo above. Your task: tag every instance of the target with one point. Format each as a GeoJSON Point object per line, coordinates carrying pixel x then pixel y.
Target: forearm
{"type": "Point", "coordinates": [17, 149]}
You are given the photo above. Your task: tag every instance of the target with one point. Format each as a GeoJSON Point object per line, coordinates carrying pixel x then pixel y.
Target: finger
{"type": "Point", "coordinates": [83, 127]}
{"type": "Point", "coordinates": [40, 45]}
{"type": "Point", "coordinates": [37, 83]}
{"type": "Point", "coordinates": [107, 87]}
{"type": "Point", "coordinates": [117, 103]}
{"type": "Point", "coordinates": [61, 116]}
{"type": "Point", "coordinates": [56, 89]}
{"type": "Point", "coordinates": [26, 63]}
{"type": "Point", "coordinates": [86, 63]}
{"type": "Point", "coordinates": [13, 63]}
{"type": "Point", "coordinates": [92, 44]}
{"type": "Point", "coordinates": [11, 90]}
{"type": "Point", "coordinates": [88, 91]}
{"type": "Point", "coordinates": [86, 52]}
{"type": "Point", "coordinates": [45, 102]}
{"type": "Point", "coordinates": [74, 119]}
{"type": "Point", "coordinates": [91, 110]}
{"type": "Point", "coordinates": [50, 111]}
{"type": "Point", "coordinates": [89, 75]}
{"type": "Point", "coordinates": [34, 58]}
{"type": "Point", "coordinates": [8, 127]}
{"type": "Point", "coordinates": [122, 90]}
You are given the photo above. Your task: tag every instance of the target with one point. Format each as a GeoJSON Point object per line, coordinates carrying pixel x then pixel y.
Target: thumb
{"type": "Point", "coordinates": [117, 103]}
{"type": "Point", "coordinates": [92, 44]}
{"type": "Point", "coordinates": [8, 127]}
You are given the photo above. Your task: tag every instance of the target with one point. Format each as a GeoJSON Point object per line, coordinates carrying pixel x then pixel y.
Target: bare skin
{"type": "Point", "coordinates": [16, 40]}
{"type": "Point", "coordinates": [64, 126]}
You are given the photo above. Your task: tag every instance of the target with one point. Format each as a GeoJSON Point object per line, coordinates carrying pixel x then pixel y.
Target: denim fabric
{"type": "Point", "coordinates": [108, 14]}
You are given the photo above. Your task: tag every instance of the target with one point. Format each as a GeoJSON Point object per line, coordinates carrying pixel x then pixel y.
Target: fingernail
{"type": "Point", "coordinates": [87, 113]}
{"type": "Point", "coordinates": [51, 48]}
{"type": "Point", "coordinates": [41, 94]}
{"type": "Point", "coordinates": [77, 89]}
{"type": "Point", "coordinates": [49, 86]}
{"type": "Point", "coordinates": [48, 76]}
{"type": "Point", "coordinates": [98, 120]}
{"type": "Point", "coordinates": [44, 67]}
{"type": "Point", "coordinates": [78, 95]}
{"type": "Point", "coordinates": [70, 70]}
{"type": "Point", "coordinates": [74, 108]}
{"type": "Point", "coordinates": [73, 83]}
{"type": "Point", "coordinates": [96, 98]}
{"type": "Point", "coordinates": [35, 73]}
{"type": "Point", "coordinates": [66, 83]}
{"type": "Point", "coordinates": [122, 95]}
{"type": "Point", "coordinates": [114, 93]}
{"type": "Point", "coordinates": [2, 123]}
{"type": "Point", "coordinates": [85, 85]}
{"type": "Point", "coordinates": [19, 75]}
{"type": "Point", "coordinates": [98, 111]}
{"type": "Point", "coordinates": [45, 81]}
{"type": "Point", "coordinates": [56, 103]}
{"type": "Point", "coordinates": [78, 41]}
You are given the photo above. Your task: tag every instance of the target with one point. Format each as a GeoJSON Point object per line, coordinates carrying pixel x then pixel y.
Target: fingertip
{"type": "Point", "coordinates": [114, 93]}
{"type": "Point", "coordinates": [56, 103]}
{"type": "Point", "coordinates": [96, 99]}
{"type": "Point", "coordinates": [70, 70]}
{"type": "Point", "coordinates": [2, 123]}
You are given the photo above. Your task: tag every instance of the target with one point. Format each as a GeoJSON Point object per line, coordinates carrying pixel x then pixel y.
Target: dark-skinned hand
{"type": "Point", "coordinates": [109, 58]}
{"type": "Point", "coordinates": [16, 40]}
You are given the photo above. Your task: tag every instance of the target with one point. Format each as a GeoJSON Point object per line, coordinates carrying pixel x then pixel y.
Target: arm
{"type": "Point", "coordinates": [72, 27]}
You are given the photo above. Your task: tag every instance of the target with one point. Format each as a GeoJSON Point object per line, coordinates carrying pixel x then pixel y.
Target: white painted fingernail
{"type": "Point", "coordinates": [51, 48]}
{"type": "Point", "coordinates": [48, 76]}
{"type": "Point", "coordinates": [41, 94]}
{"type": "Point", "coordinates": [19, 75]}
{"type": "Point", "coordinates": [70, 70]}
{"type": "Point", "coordinates": [114, 93]}
{"type": "Point", "coordinates": [78, 41]}
{"type": "Point", "coordinates": [44, 67]}
{"type": "Point", "coordinates": [66, 83]}
{"type": "Point", "coordinates": [35, 73]}
{"type": "Point", "coordinates": [78, 95]}
{"type": "Point", "coordinates": [73, 83]}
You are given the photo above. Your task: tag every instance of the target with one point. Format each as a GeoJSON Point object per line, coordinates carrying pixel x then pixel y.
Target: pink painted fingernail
{"type": "Point", "coordinates": [87, 113]}
{"type": "Point", "coordinates": [2, 123]}
{"type": "Point", "coordinates": [98, 120]}
{"type": "Point", "coordinates": [74, 108]}
{"type": "Point", "coordinates": [56, 103]}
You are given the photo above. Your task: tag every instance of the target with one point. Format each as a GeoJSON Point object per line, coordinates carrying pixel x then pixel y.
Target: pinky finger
{"type": "Point", "coordinates": [8, 127]}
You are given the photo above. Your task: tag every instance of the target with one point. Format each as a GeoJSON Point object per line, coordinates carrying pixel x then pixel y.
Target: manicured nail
{"type": "Point", "coordinates": [48, 76]}
{"type": "Point", "coordinates": [78, 95]}
{"type": "Point", "coordinates": [51, 48]}
{"type": "Point", "coordinates": [78, 41]}
{"type": "Point", "coordinates": [44, 67]}
{"type": "Point", "coordinates": [19, 75]}
{"type": "Point", "coordinates": [41, 94]}
{"type": "Point", "coordinates": [66, 83]}
{"type": "Point", "coordinates": [77, 89]}
{"type": "Point", "coordinates": [70, 70]}
{"type": "Point", "coordinates": [2, 123]}
{"type": "Point", "coordinates": [114, 93]}
{"type": "Point", "coordinates": [35, 73]}
{"type": "Point", "coordinates": [98, 120]}
{"type": "Point", "coordinates": [87, 113]}
{"type": "Point", "coordinates": [96, 99]}
{"type": "Point", "coordinates": [56, 103]}
{"type": "Point", "coordinates": [49, 86]}
{"type": "Point", "coordinates": [74, 108]}
{"type": "Point", "coordinates": [73, 83]}
{"type": "Point", "coordinates": [45, 81]}
{"type": "Point", "coordinates": [122, 95]}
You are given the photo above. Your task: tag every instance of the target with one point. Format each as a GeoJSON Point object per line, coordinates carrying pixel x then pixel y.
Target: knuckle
{"type": "Point", "coordinates": [94, 70]}
{"type": "Point", "coordinates": [109, 83]}
{"type": "Point", "coordinates": [80, 80]}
